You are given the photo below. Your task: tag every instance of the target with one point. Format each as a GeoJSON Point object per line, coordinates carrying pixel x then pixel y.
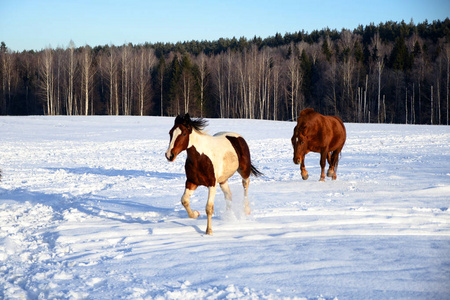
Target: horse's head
{"type": "Point", "coordinates": [179, 134]}
{"type": "Point", "coordinates": [300, 143]}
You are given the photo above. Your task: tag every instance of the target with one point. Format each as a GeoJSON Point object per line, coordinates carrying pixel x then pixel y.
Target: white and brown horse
{"type": "Point", "coordinates": [210, 160]}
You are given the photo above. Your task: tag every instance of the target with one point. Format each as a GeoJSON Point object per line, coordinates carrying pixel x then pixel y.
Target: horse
{"type": "Point", "coordinates": [318, 133]}
{"type": "Point", "coordinates": [210, 160]}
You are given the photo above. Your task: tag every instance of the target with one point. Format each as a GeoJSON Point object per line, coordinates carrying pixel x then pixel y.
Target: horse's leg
{"type": "Point", "coordinates": [210, 208]}
{"type": "Point", "coordinates": [245, 184]}
{"type": "Point", "coordinates": [303, 169]}
{"type": "Point", "coordinates": [245, 174]}
{"type": "Point", "coordinates": [323, 159]}
{"type": "Point", "coordinates": [330, 172]}
{"type": "Point", "coordinates": [190, 188]}
{"type": "Point", "coordinates": [227, 193]}
{"type": "Point", "coordinates": [334, 162]}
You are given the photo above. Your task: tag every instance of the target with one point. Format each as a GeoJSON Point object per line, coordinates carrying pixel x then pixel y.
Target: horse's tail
{"type": "Point", "coordinates": [243, 153]}
{"type": "Point", "coordinates": [338, 157]}
{"type": "Point", "coordinates": [254, 171]}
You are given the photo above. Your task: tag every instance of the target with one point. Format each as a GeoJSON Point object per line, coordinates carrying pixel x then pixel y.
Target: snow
{"type": "Point", "coordinates": [90, 209]}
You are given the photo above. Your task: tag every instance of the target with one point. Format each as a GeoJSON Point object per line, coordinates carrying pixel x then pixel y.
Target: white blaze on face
{"type": "Point", "coordinates": [175, 134]}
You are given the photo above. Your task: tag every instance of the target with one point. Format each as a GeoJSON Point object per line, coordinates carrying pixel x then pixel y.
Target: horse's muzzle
{"type": "Point", "coordinates": [297, 161]}
{"type": "Point", "coordinates": [170, 156]}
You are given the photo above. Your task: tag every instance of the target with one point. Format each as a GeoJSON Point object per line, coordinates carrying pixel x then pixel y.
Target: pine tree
{"type": "Point", "coordinates": [400, 58]}
{"type": "Point", "coordinates": [326, 50]}
{"type": "Point", "coordinates": [174, 86]}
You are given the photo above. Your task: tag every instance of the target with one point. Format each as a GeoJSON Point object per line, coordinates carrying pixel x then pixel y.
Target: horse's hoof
{"type": "Point", "coordinates": [247, 210]}
{"type": "Point", "coordinates": [195, 215]}
{"type": "Point", "coordinates": [209, 231]}
{"type": "Point", "coordinates": [322, 179]}
{"type": "Point", "coordinates": [305, 177]}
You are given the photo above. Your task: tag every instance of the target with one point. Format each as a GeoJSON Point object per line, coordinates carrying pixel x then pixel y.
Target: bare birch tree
{"type": "Point", "coordinates": [252, 80]}
{"type": "Point", "coordinates": [348, 66]}
{"type": "Point", "coordinates": [377, 51]}
{"type": "Point", "coordinates": [294, 83]}
{"type": "Point", "coordinates": [447, 60]}
{"type": "Point", "coordinates": [187, 81]}
{"type": "Point", "coordinates": [125, 80]}
{"type": "Point", "coordinates": [46, 72]}
{"type": "Point", "coordinates": [264, 62]}
{"type": "Point", "coordinates": [87, 75]}
{"type": "Point", "coordinates": [276, 75]}
{"type": "Point", "coordinates": [203, 73]}
{"type": "Point", "coordinates": [7, 72]}
{"type": "Point", "coordinates": [161, 71]}
{"type": "Point", "coordinates": [146, 62]}
{"type": "Point", "coordinates": [242, 105]}
{"type": "Point", "coordinates": [229, 83]}
{"type": "Point", "coordinates": [218, 81]}
{"type": "Point", "coordinates": [109, 69]}
{"type": "Point", "coordinates": [3, 54]}
{"type": "Point", "coordinates": [71, 78]}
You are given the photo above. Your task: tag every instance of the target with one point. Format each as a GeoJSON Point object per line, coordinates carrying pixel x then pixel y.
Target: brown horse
{"type": "Point", "coordinates": [210, 160]}
{"type": "Point", "coordinates": [318, 133]}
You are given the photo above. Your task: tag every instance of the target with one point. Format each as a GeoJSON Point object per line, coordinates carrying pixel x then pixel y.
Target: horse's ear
{"type": "Point", "coordinates": [179, 120]}
{"type": "Point", "coordinates": [306, 111]}
{"type": "Point", "coordinates": [187, 122]}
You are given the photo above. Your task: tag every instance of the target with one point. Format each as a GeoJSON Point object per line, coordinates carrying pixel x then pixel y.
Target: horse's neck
{"type": "Point", "coordinates": [199, 140]}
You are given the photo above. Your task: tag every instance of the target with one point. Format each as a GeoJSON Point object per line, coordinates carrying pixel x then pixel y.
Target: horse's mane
{"type": "Point", "coordinates": [307, 111]}
{"type": "Point", "coordinates": [198, 124]}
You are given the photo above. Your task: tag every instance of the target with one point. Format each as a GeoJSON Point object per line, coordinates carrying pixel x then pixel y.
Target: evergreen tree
{"type": "Point", "coordinates": [160, 83]}
{"type": "Point", "coordinates": [326, 50]}
{"type": "Point", "coordinates": [174, 87]}
{"type": "Point", "coordinates": [400, 58]}
{"type": "Point", "coordinates": [306, 67]}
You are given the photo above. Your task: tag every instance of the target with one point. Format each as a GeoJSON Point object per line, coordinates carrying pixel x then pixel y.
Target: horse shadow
{"type": "Point", "coordinates": [196, 228]}
{"type": "Point", "coordinates": [125, 211]}
{"type": "Point", "coordinates": [116, 172]}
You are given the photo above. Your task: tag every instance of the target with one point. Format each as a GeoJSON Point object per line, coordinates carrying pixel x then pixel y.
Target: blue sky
{"type": "Point", "coordinates": [36, 24]}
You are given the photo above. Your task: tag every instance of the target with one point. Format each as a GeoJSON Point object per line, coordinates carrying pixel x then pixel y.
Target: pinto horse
{"type": "Point", "coordinates": [210, 160]}
{"type": "Point", "coordinates": [318, 133]}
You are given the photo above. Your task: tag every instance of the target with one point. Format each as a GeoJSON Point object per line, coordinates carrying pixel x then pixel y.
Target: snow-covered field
{"type": "Point", "coordinates": [90, 209]}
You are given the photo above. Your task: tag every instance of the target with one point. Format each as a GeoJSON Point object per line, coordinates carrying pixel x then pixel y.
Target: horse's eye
{"type": "Point", "coordinates": [184, 133]}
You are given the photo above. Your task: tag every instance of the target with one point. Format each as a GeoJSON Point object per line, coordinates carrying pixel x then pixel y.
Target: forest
{"type": "Point", "coordinates": [394, 72]}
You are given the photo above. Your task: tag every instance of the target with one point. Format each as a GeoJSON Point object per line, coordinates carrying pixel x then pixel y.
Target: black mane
{"type": "Point", "coordinates": [198, 124]}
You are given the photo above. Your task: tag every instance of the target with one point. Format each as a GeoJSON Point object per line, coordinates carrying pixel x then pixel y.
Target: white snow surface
{"type": "Point", "coordinates": [90, 209]}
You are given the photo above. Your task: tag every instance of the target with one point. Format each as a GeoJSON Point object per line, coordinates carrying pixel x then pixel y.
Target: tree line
{"type": "Point", "coordinates": [391, 72]}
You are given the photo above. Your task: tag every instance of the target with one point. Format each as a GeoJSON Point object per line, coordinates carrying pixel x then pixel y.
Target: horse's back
{"type": "Point", "coordinates": [223, 134]}
{"type": "Point", "coordinates": [241, 151]}
{"type": "Point", "coordinates": [327, 130]}
{"type": "Point", "coordinates": [338, 133]}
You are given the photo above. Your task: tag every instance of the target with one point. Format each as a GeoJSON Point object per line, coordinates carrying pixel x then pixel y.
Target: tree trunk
{"type": "Point", "coordinates": [379, 89]}
{"type": "Point", "coordinates": [432, 108]}
{"type": "Point", "coordinates": [447, 49]}
{"type": "Point", "coordinates": [406, 106]}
